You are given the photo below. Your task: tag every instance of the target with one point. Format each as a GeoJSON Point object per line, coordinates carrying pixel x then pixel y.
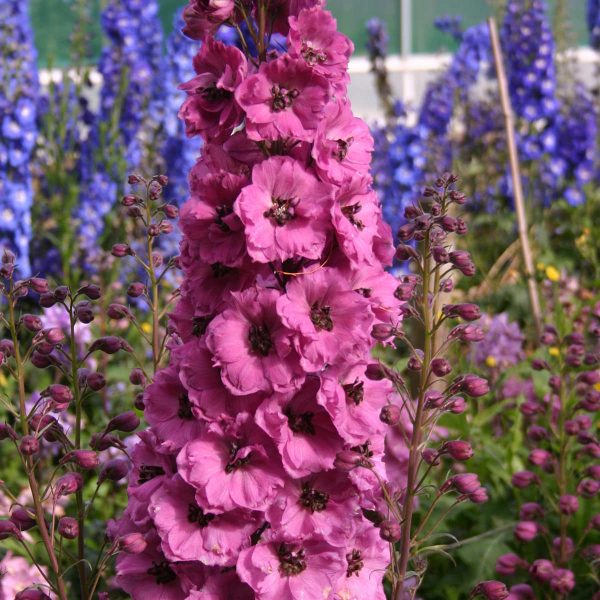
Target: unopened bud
{"type": "Point", "coordinates": [390, 414]}
{"type": "Point", "coordinates": [126, 422]}
{"type": "Point", "coordinates": [68, 528]}
{"type": "Point", "coordinates": [29, 445]}
{"type": "Point", "coordinates": [114, 470]}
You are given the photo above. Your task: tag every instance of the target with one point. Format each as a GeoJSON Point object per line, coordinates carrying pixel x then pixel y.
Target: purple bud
{"type": "Point", "coordinates": [467, 311]}
{"type": "Point", "coordinates": [568, 504]}
{"type": "Point", "coordinates": [523, 479]}
{"type": "Point", "coordinates": [133, 179]}
{"type": "Point", "coordinates": [549, 336]}
{"type": "Point", "coordinates": [593, 471]}
{"type": "Point", "coordinates": [7, 432]}
{"type": "Point", "coordinates": [68, 484]}
{"type": "Point", "coordinates": [61, 292]}
{"type": "Point", "coordinates": [491, 590]}
{"type": "Point", "coordinates": [589, 377]}
{"type": "Point", "coordinates": [129, 200]}
{"type": "Point", "coordinates": [563, 581]}
{"type": "Point", "coordinates": [132, 543]}
{"type": "Point", "coordinates": [95, 381]}
{"type": "Point", "coordinates": [406, 232]}
{"type": "Point", "coordinates": [91, 290]}
{"type": "Point", "coordinates": [68, 528]}
{"type": "Point", "coordinates": [23, 518]}
{"type": "Point", "coordinates": [32, 323]}
{"type": "Point", "coordinates": [466, 483]}
{"type": "Point", "coordinates": [114, 470]}
{"type": "Point", "coordinates": [110, 345]}
{"type": "Point", "coordinates": [457, 405]}
{"type": "Point", "coordinates": [54, 336]}
{"type": "Point", "coordinates": [86, 459]}
{"type": "Point", "coordinates": [136, 289]}
{"type": "Point", "coordinates": [121, 250]}
{"type": "Point", "coordinates": [537, 364]}
{"type": "Point", "coordinates": [59, 395]}
{"type": "Point", "coordinates": [460, 258]}
{"type": "Point", "coordinates": [39, 285]}
{"type": "Point", "coordinates": [8, 529]}
{"type": "Point", "coordinates": [126, 422]}
{"type": "Point", "coordinates": [458, 449]}
{"type": "Point", "coordinates": [448, 223]}
{"type": "Point", "coordinates": [542, 569]}
{"type": "Point", "coordinates": [138, 402]}
{"type": "Point", "coordinates": [525, 531]}
{"type": "Point", "coordinates": [508, 564]}
{"type": "Point", "coordinates": [171, 211]}
{"type": "Point", "coordinates": [84, 312]}
{"type": "Point", "coordinates": [41, 361]}
{"type": "Point", "coordinates": [102, 442]}
{"type": "Point", "coordinates": [390, 414]}
{"type": "Point", "coordinates": [567, 545]}
{"type": "Point", "coordinates": [440, 367]}
{"type": "Point", "coordinates": [390, 531]}
{"type": "Point", "coordinates": [32, 594]}
{"type": "Point", "coordinates": [540, 457]}
{"type": "Point", "coordinates": [118, 311]}
{"type": "Point", "coordinates": [382, 331]}
{"type": "Point", "coordinates": [474, 386]}
{"type": "Point", "coordinates": [434, 399]}
{"type": "Point", "coordinates": [530, 511]}
{"type": "Point", "coordinates": [431, 456]}
{"type": "Point", "coordinates": [29, 445]}
{"type": "Point", "coordinates": [137, 377]}
{"type": "Point", "coordinates": [440, 254]}
{"type": "Point", "coordinates": [588, 488]}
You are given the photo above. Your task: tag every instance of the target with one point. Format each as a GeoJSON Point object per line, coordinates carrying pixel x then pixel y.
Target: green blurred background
{"type": "Point", "coordinates": [53, 21]}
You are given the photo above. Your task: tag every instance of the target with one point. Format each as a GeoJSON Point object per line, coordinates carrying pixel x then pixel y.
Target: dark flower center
{"type": "Point", "coordinates": [365, 292]}
{"type": "Point", "coordinates": [312, 499]}
{"type": "Point", "coordinates": [363, 449]}
{"type": "Point", "coordinates": [148, 472]}
{"type": "Point", "coordinates": [220, 270]}
{"type": "Point", "coordinates": [343, 146]}
{"type": "Point", "coordinates": [214, 94]}
{"type": "Point", "coordinates": [199, 325]}
{"type": "Point", "coordinates": [291, 562]}
{"type": "Point", "coordinates": [355, 563]}
{"type": "Point", "coordinates": [221, 212]}
{"type": "Point", "coordinates": [281, 211]}
{"type": "Point", "coordinates": [197, 515]}
{"type": "Point", "coordinates": [282, 98]}
{"type": "Point", "coordinates": [313, 55]}
{"type": "Point", "coordinates": [260, 340]}
{"type": "Point", "coordinates": [321, 317]}
{"type": "Point", "coordinates": [355, 392]}
{"type": "Point", "coordinates": [234, 462]}
{"type": "Point", "coordinates": [185, 407]}
{"type": "Point", "coordinates": [162, 572]}
{"type": "Point", "coordinates": [350, 213]}
{"type": "Point", "coordinates": [301, 423]}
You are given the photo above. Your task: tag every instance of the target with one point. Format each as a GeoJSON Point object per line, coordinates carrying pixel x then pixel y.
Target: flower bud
{"type": "Point", "coordinates": [440, 367]}
{"type": "Point", "coordinates": [406, 232]}
{"type": "Point", "coordinates": [59, 395]}
{"type": "Point", "coordinates": [84, 312]}
{"type": "Point", "coordinates": [23, 518]}
{"type": "Point", "coordinates": [563, 581]}
{"type": "Point", "coordinates": [474, 386]}
{"type": "Point", "coordinates": [110, 345]}
{"type": "Point", "coordinates": [390, 414]}
{"type": "Point", "coordinates": [68, 528]}
{"type": "Point", "coordinates": [32, 323]}
{"type": "Point", "coordinates": [461, 226]}
{"type": "Point", "coordinates": [466, 483]}
{"type": "Point", "coordinates": [457, 405]}
{"type": "Point", "coordinates": [588, 488]}
{"type": "Point", "coordinates": [458, 449]}
{"type": "Point", "coordinates": [68, 484]}
{"type": "Point", "coordinates": [129, 200]}
{"type": "Point", "coordinates": [539, 457]}
{"type": "Point", "coordinates": [121, 250]}
{"type": "Point", "coordinates": [91, 290]}
{"type": "Point", "coordinates": [390, 531]}
{"type": "Point", "coordinates": [118, 311]}
{"type": "Point", "coordinates": [136, 289]}
{"type": "Point", "coordinates": [137, 377]}
{"type": "Point", "coordinates": [479, 496]}
{"type": "Point", "coordinates": [61, 293]}
{"type": "Point", "coordinates": [434, 399]}
{"type": "Point", "coordinates": [530, 511]}
{"type": "Point", "coordinates": [54, 336]}
{"type": "Point", "coordinates": [133, 179]}
{"type": "Point", "coordinates": [440, 254]}
{"type": "Point", "coordinates": [491, 590]}
{"type": "Point", "coordinates": [32, 594]}
{"type": "Point", "coordinates": [523, 479]}
{"type": "Point", "coordinates": [7, 432]}
{"type": "Point", "coordinates": [525, 531]}
{"type": "Point", "coordinates": [508, 564]}
{"type": "Point", "coordinates": [138, 402]}
{"type": "Point", "coordinates": [114, 470]}
{"type": "Point", "coordinates": [568, 504]}
{"type": "Point", "coordinates": [85, 459]}
{"type": "Point", "coordinates": [29, 445]}
{"type": "Point", "coordinates": [567, 545]}
{"type": "Point", "coordinates": [95, 381]}
{"type": "Point", "coordinates": [594, 472]}
{"type": "Point", "coordinates": [431, 456]}
{"type": "Point", "coordinates": [382, 331]}
{"type": "Point", "coordinates": [542, 569]}
{"type": "Point", "coordinates": [448, 223]}
{"type": "Point", "coordinates": [132, 543]}
{"type": "Point", "coordinates": [126, 422]}
{"type": "Point", "coordinates": [8, 529]}
{"type": "Point", "coordinates": [460, 258]}
{"type": "Point", "coordinates": [39, 285]}
{"type": "Point", "coordinates": [171, 211]}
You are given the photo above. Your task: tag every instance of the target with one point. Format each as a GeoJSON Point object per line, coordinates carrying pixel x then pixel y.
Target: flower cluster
{"type": "Point", "coordinates": [502, 345]}
{"type": "Point", "coordinates": [265, 444]}
{"type": "Point", "coordinates": [563, 479]}
{"type": "Point", "coordinates": [18, 100]}
{"type": "Point", "coordinates": [130, 66]}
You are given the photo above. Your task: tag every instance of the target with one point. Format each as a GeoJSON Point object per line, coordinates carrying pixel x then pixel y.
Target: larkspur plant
{"type": "Point", "coordinates": [558, 492]}
{"type": "Point", "coordinates": [18, 99]}
{"type": "Point", "coordinates": [250, 485]}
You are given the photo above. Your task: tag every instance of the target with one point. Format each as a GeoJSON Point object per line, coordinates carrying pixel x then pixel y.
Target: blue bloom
{"type": "Point", "coordinates": [18, 98]}
{"type": "Point", "coordinates": [593, 22]}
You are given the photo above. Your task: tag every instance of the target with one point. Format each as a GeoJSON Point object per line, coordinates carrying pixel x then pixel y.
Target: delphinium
{"type": "Point", "coordinates": [434, 265]}
{"type": "Point", "coordinates": [593, 22]}
{"type": "Point", "coordinates": [130, 67]}
{"type": "Point", "coordinates": [556, 538]}
{"type": "Point", "coordinates": [51, 390]}
{"type": "Point", "coordinates": [250, 484]}
{"type": "Point", "coordinates": [502, 345]}
{"type": "Point", "coordinates": [18, 98]}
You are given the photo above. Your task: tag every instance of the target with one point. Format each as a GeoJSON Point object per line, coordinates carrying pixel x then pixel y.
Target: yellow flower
{"type": "Point", "coordinates": [146, 327]}
{"type": "Point", "coordinates": [3, 380]}
{"type": "Point", "coordinates": [554, 351]}
{"type": "Point", "coordinates": [552, 273]}
{"type": "Point", "coordinates": [540, 266]}
{"type": "Point", "coordinates": [491, 362]}
{"type": "Point", "coordinates": [597, 387]}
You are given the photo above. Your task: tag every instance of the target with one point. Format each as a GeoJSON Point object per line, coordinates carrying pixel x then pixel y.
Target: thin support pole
{"type": "Point", "coordinates": [515, 172]}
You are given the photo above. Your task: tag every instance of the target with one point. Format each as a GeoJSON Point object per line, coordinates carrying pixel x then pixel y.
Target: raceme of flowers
{"type": "Point", "coordinates": [253, 483]}
{"type": "Point", "coordinates": [18, 99]}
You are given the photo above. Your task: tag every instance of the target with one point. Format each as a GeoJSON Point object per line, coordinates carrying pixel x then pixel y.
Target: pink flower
{"type": "Point", "coordinates": [282, 10]}
{"type": "Point", "coordinates": [16, 574]}
{"type": "Point", "coordinates": [331, 322]}
{"type": "Point", "coordinates": [190, 532]}
{"type": "Point", "coordinates": [252, 346]}
{"type": "Point", "coordinates": [323, 505]}
{"type": "Point", "coordinates": [210, 109]}
{"type": "Point", "coordinates": [285, 211]}
{"type": "Point", "coordinates": [208, 219]}
{"type": "Point", "coordinates": [367, 558]}
{"type": "Point", "coordinates": [298, 571]}
{"type": "Point", "coordinates": [168, 409]}
{"type": "Point", "coordinates": [232, 466]}
{"type": "Point", "coordinates": [354, 402]}
{"type": "Point", "coordinates": [223, 585]}
{"type": "Point", "coordinates": [285, 99]}
{"type": "Point", "coordinates": [314, 38]}
{"type": "Point", "coordinates": [343, 144]}
{"type": "Point", "coordinates": [301, 429]}
{"type": "Point", "coordinates": [203, 17]}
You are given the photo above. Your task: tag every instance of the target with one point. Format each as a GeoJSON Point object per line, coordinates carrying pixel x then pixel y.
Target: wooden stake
{"type": "Point", "coordinates": [515, 172]}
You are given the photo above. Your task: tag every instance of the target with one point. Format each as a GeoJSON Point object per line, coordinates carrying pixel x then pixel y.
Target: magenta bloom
{"type": "Point", "coordinates": [222, 585]}
{"type": "Point", "coordinates": [231, 467]}
{"type": "Point", "coordinates": [208, 219]}
{"type": "Point", "coordinates": [314, 38]}
{"type": "Point", "coordinates": [203, 17]}
{"type": "Point", "coordinates": [191, 532]}
{"type": "Point", "coordinates": [211, 109]}
{"type": "Point", "coordinates": [252, 346]}
{"type": "Point", "coordinates": [301, 429]}
{"type": "Point", "coordinates": [343, 144]}
{"type": "Point", "coordinates": [168, 409]}
{"type": "Point", "coordinates": [285, 211]}
{"type": "Point", "coordinates": [297, 571]}
{"type": "Point", "coordinates": [329, 319]}
{"type": "Point", "coordinates": [285, 99]}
